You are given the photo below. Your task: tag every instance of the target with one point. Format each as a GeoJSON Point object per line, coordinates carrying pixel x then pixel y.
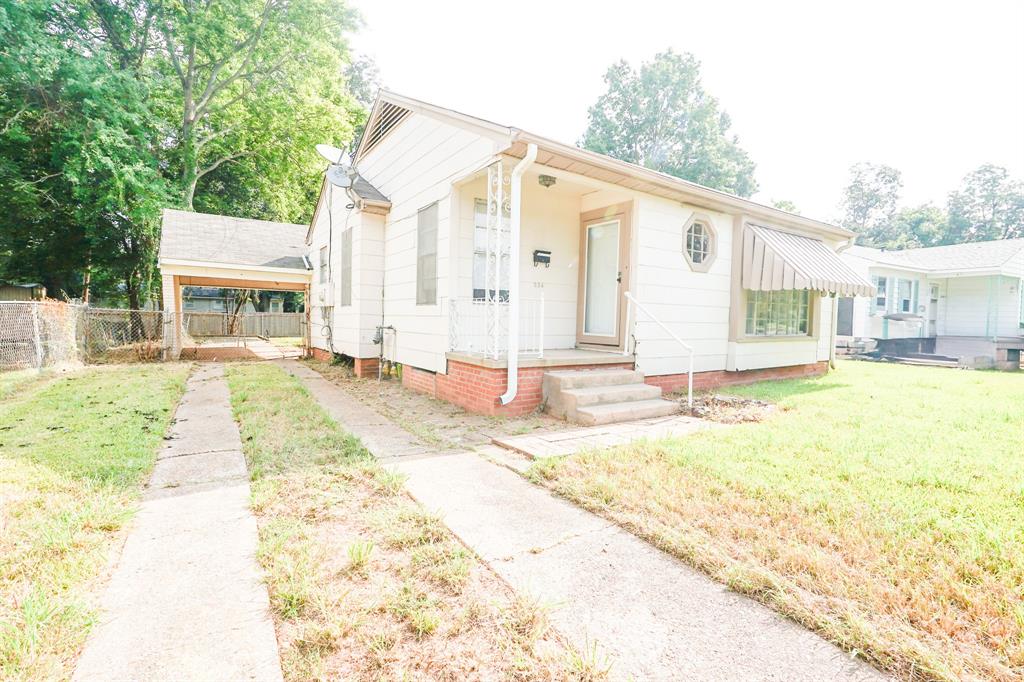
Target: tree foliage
{"type": "Point", "coordinates": [113, 109]}
{"type": "Point", "coordinates": [988, 205]}
{"type": "Point", "coordinates": [660, 116]}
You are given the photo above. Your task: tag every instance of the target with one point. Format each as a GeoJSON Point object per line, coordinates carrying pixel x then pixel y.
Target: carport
{"type": "Point", "coordinates": [199, 249]}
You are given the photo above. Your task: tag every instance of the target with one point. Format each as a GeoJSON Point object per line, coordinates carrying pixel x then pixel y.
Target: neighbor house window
{"type": "Point", "coordinates": [904, 296]}
{"type": "Point", "coordinates": [426, 255]}
{"type": "Point", "coordinates": [699, 243]}
{"type": "Point", "coordinates": [881, 295]}
{"type": "Point", "coordinates": [481, 291]}
{"type": "Point", "coordinates": [346, 267]}
{"type": "Point", "coordinates": [778, 313]}
{"type": "Point", "coordinates": [323, 264]}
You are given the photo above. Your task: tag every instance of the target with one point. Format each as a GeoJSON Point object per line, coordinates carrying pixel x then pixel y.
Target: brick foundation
{"type": "Point", "coordinates": [702, 381]}
{"type": "Point", "coordinates": [478, 389]}
{"type": "Point", "coordinates": [365, 368]}
{"type": "Point", "coordinates": [321, 354]}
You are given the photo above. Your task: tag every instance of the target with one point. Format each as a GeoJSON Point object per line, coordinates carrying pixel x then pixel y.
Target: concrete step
{"type": "Point", "coordinates": [594, 415]}
{"type": "Point", "coordinates": [616, 393]}
{"type": "Point", "coordinates": [569, 379]}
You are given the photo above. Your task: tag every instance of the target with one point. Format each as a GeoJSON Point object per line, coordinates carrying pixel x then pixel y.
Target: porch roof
{"type": "Point", "coordinates": [776, 261]}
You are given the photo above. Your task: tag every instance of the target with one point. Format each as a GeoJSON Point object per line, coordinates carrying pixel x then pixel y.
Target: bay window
{"type": "Point", "coordinates": [778, 313]}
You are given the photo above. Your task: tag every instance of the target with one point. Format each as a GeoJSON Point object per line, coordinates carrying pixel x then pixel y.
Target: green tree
{"type": "Point", "coordinates": [988, 205]}
{"type": "Point", "coordinates": [785, 205]}
{"type": "Point", "coordinates": [257, 83]}
{"type": "Point", "coordinates": [914, 227]}
{"type": "Point", "coordinates": [869, 202]}
{"type": "Point", "coordinates": [79, 186]}
{"type": "Point", "coordinates": [661, 117]}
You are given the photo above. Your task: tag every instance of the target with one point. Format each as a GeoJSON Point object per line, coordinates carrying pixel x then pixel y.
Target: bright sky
{"type": "Point", "coordinates": [932, 88]}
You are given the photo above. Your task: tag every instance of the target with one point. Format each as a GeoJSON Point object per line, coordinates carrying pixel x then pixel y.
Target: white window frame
{"type": "Point", "coordinates": [480, 236]}
{"type": "Point", "coordinates": [778, 314]}
{"type": "Point", "coordinates": [710, 239]}
{"type": "Point", "coordinates": [908, 299]}
{"type": "Point", "coordinates": [322, 266]}
{"type": "Point", "coordinates": [881, 294]}
{"type": "Point", "coordinates": [426, 254]}
{"type": "Point", "coordinates": [345, 297]}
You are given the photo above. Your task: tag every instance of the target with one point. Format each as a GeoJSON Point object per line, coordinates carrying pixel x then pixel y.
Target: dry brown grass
{"type": "Point", "coordinates": [364, 583]}
{"type": "Point", "coordinates": [897, 537]}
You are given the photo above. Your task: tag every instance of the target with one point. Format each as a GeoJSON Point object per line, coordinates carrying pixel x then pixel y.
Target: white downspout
{"type": "Point", "coordinates": [513, 275]}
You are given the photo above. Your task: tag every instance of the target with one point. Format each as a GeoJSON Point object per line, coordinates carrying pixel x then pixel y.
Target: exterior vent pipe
{"type": "Point", "coordinates": [513, 276]}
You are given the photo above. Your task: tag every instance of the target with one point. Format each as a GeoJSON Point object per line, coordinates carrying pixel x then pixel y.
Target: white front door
{"type": "Point", "coordinates": [604, 246]}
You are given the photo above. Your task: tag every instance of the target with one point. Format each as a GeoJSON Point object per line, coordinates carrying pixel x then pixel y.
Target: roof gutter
{"type": "Point", "coordinates": [712, 198]}
{"type": "Point", "coordinates": [513, 276]}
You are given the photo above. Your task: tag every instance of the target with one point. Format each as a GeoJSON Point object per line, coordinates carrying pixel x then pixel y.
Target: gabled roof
{"type": "Point", "coordinates": [587, 163]}
{"type": "Point", "coordinates": [966, 258]}
{"type": "Point", "coordinates": [202, 237]}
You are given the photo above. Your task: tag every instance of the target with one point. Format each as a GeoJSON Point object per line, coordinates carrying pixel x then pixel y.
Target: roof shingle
{"type": "Point", "coordinates": [223, 239]}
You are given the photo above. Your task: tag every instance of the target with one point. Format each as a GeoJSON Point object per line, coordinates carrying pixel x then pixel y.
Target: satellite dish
{"type": "Point", "coordinates": [330, 152]}
{"type": "Point", "coordinates": [338, 176]}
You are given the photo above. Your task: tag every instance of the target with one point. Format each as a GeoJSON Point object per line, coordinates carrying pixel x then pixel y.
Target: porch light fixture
{"type": "Point", "coordinates": [546, 180]}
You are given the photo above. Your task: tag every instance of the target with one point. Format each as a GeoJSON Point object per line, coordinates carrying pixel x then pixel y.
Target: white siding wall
{"type": "Point", "coordinates": [695, 305]}
{"type": "Point", "coordinates": [415, 166]}
{"type": "Point", "coordinates": [980, 306]}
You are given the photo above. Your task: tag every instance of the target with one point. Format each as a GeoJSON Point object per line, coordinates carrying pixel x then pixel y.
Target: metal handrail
{"type": "Point", "coordinates": [630, 301]}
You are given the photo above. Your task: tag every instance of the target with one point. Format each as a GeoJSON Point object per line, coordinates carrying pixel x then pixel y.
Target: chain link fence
{"type": "Point", "coordinates": [51, 333]}
{"type": "Point", "coordinates": [41, 334]}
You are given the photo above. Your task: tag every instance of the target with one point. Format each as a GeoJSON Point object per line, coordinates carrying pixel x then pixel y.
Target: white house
{"type": "Point", "coordinates": [484, 258]}
{"type": "Point", "coordinates": [961, 301]}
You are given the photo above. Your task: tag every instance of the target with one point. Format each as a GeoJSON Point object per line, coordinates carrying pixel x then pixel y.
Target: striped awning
{"type": "Point", "coordinates": [774, 261]}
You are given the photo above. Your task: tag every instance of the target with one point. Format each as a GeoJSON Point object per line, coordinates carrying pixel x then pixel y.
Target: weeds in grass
{"type": "Point", "coordinates": [75, 449]}
{"type": "Point", "coordinates": [364, 583]}
{"type": "Point", "coordinates": [359, 555]}
{"type": "Point", "coordinates": [589, 665]}
{"type": "Point", "coordinates": [897, 538]}
{"type": "Point", "coordinates": [444, 563]}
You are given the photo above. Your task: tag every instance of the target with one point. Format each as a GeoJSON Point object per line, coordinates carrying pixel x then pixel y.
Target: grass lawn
{"type": "Point", "coordinates": [75, 450]}
{"type": "Point", "coordinates": [364, 583]}
{"type": "Point", "coordinates": [881, 505]}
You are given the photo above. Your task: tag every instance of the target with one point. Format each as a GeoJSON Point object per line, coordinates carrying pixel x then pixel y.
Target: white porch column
{"type": "Point", "coordinates": [171, 292]}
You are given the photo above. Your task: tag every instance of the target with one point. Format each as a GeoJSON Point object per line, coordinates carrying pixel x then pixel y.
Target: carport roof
{"type": "Point", "coordinates": [206, 238]}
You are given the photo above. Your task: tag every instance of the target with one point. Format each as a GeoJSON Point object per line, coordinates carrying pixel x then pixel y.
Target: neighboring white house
{"type": "Point", "coordinates": [966, 300]}
{"type": "Point", "coordinates": [481, 257]}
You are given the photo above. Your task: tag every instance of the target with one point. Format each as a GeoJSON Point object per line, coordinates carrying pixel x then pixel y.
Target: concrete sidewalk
{"type": "Point", "coordinates": [186, 601]}
{"type": "Point", "coordinates": [655, 617]}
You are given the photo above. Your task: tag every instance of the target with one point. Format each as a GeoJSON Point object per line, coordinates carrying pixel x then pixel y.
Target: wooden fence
{"type": "Point", "coordinates": [198, 325]}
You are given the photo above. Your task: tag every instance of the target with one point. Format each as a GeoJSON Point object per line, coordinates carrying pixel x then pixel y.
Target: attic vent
{"type": "Point", "coordinates": [389, 117]}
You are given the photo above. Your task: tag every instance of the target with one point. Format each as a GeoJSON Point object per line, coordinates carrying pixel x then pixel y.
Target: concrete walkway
{"type": "Point", "coordinates": [380, 435]}
{"type": "Point", "coordinates": [186, 601]}
{"type": "Point", "coordinates": [655, 617]}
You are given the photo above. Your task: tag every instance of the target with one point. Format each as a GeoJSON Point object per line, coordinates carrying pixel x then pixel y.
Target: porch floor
{"type": "Point", "coordinates": [555, 357]}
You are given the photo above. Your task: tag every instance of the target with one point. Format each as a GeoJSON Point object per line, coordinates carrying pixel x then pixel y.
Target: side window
{"type": "Point", "coordinates": [904, 296]}
{"type": "Point", "coordinates": [882, 294]}
{"type": "Point", "coordinates": [426, 255]}
{"type": "Point", "coordinates": [480, 290]}
{"type": "Point", "coordinates": [323, 265]}
{"type": "Point", "coordinates": [699, 243]}
{"type": "Point", "coordinates": [346, 267]}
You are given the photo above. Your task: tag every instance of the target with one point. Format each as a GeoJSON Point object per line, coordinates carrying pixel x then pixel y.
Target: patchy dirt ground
{"type": "Point", "coordinates": [435, 422]}
{"type": "Point", "coordinates": [729, 409]}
